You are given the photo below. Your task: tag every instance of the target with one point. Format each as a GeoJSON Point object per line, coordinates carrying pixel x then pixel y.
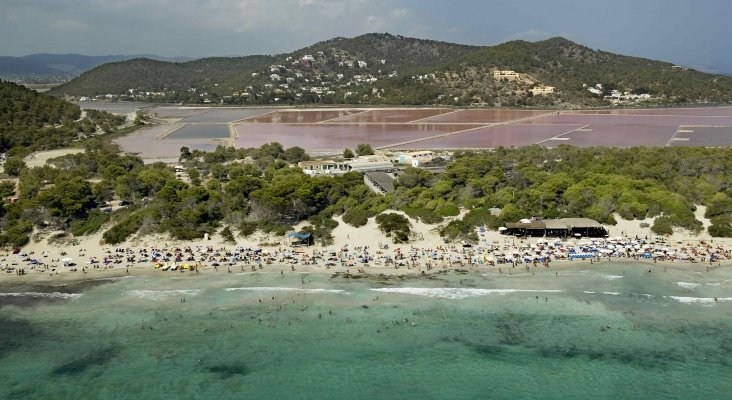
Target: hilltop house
{"type": "Point", "coordinates": [505, 74]}
{"type": "Point", "coordinates": [597, 89]}
{"type": "Point", "coordinates": [542, 90]}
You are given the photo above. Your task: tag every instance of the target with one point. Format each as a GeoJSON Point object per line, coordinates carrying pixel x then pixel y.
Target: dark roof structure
{"type": "Point", "coordinates": [382, 180]}
{"type": "Point", "coordinates": [556, 227]}
{"type": "Point", "coordinates": [299, 235]}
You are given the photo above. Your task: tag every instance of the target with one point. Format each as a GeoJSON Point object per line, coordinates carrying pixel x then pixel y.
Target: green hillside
{"type": "Point", "coordinates": [45, 64]}
{"type": "Point", "coordinates": [388, 69]}
{"type": "Point", "coordinates": [149, 75]}
{"type": "Point", "coordinates": [568, 65]}
{"type": "Point", "coordinates": [398, 51]}
{"type": "Point", "coordinates": [31, 121]}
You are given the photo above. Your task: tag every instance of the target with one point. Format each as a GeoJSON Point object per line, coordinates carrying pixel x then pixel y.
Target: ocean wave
{"type": "Point", "coordinates": [607, 293]}
{"type": "Point", "coordinates": [688, 285]}
{"type": "Point", "coordinates": [51, 295]}
{"type": "Point", "coordinates": [458, 293]}
{"type": "Point", "coordinates": [284, 289]}
{"type": "Point", "coordinates": [650, 296]}
{"type": "Point", "coordinates": [703, 300]}
{"type": "Point", "coordinates": [163, 294]}
{"type": "Point", "coordinates": [111, 278]}
{"type": "Point", "coordinates": [612, 277]}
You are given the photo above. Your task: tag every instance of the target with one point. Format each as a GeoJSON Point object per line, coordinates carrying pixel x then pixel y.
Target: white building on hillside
{"type": "Point", "coordinates": [541, 90]}
{"type": "Point", "coordinates": [505, 74]}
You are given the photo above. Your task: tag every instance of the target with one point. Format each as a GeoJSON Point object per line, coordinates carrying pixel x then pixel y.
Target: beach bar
{"type": "Point", "coordinates": [562, 227]}
{"type": "Point", "coordinates": [300, 238]}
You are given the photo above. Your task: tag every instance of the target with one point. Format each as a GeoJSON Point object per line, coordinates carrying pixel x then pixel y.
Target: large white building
{"type": "Point", "coordinates": [360, 164]}
{"type": "Point", "coordinates": [416, 158]}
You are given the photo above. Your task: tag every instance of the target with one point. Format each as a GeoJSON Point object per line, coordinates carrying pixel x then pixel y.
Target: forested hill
{"type": "Point", "coordinates": [399, 52]}
{"type": "Point", "coordinates": [62, 64]}
{"type": "Point", "coordinates": [389, 69]}
{"type": "Point", "coordinates": [149, 75]}
{"type": "Point", "coordinates": [32, 121]}
{"type": "Point", "coordinates": [24, 108]}
{"type": "Point", "coordinates": [567, 66]}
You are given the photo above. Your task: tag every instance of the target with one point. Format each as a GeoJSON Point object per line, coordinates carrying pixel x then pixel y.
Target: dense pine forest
{"type": "Point", "coordinates": [31, 121]}
{"type": "Point", "coordinates": [238, 192]}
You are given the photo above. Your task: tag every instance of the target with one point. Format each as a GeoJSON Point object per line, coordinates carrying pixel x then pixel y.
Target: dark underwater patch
{"type": "Point", "coordinates": [20, 394]}
{"type": "Point", "coordinates": [486, 350]}
{"type": "Point", "coordinates": [509, 330]}
{"type": "Point", "coordinates": [98, 357]}
{"type": "Point", "coordinates": [725, 346]}
{"type": "Point", "coordinates": [634, 357]}
{"type": "Point", "coordinates": [12, 334]}
{"type": "Point", "coordinates": [28, 301]}
{"type": "Point", "coordinates": [226, 371]}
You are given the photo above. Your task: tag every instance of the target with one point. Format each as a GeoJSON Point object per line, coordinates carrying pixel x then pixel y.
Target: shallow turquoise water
{"type": "Point", "coordinates": [613, 331]}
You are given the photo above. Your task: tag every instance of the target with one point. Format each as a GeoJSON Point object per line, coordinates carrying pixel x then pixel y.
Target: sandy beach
{"type": "Point", "coordinates": [359, 251]}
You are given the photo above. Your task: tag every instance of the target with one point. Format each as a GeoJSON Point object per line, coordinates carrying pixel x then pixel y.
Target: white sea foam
{"type": "Point", "coordinates": [52, 295]}
{"type": "Point", "coordinates": [111, 278]}
{"type": "Point", "coordinates": [458, 293]}
{"type": "Point", "coordinates": [163, 294]}
{"type": "Point", "coordinates": [688, 285]}
{"type": "Point", "coordinates": [284, 289]}
{"type": "Point", "coordinates": [650, 296]}
{"type": "Point", "coordinates": [714, 284]}
{"type": "Point", "coordinates": [612, 277]}
{"type": "Point", "coordinates": [607, 293]}
{"type": "Point", "coordinates": [702, 300]}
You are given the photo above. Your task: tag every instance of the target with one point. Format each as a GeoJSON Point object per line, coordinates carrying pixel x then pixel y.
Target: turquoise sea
{"type": "Point", "coordinates": [601, 331]}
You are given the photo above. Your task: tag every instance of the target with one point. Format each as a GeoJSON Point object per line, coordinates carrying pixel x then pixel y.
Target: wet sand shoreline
{"type": "Point", "coordinates": [554, 271]}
